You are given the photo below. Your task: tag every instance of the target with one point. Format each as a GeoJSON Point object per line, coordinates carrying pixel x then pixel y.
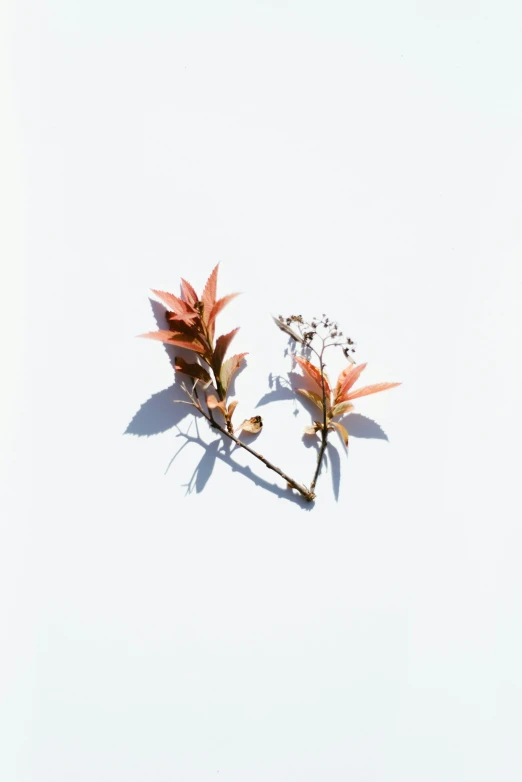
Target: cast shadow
{"type": "Point", "coordinates": [331, 461]}
{"type": "Point", "coordinates": [223, 450]}
{"type": "Point", "coordinates": [160, 413]}
{"type": "Point", "coordinates": [167, 409]}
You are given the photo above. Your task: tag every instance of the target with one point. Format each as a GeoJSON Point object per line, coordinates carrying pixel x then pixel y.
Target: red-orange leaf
{"type": "Point", "coordinates": [181, 308]}
{"type": "Point", "coordinates": [229, 368]}
{"type": "Point", "coordinates": [315, 374]}
{"type": "Point", "coordinates": [173, 339]}
{"type": "Point", "coordinates": [209, 293]}
{"type": "Point", "coordinates": [365, 390]}
{"type": "Point", "coordinates": [193, 370]}
{"type": "Point", "coordinates": [219, 306]}
{"type": "Point", "coordinates": [162, 336]}
{"type": "Point", "coordinates": [182, 342]}
{"type": "Point", "coordinates": [189, 294]}
{"type": "Point", "coordinates": [222, 344]}
{"type": "Point", "coordinates": [346, 380]}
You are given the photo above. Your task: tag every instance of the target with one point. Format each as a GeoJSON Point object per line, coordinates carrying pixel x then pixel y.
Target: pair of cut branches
{"type": "Point", "coordinates": [191, 324]}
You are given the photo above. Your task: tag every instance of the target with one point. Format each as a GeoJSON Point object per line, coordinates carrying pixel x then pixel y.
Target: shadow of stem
{"type": "Point", "coordinates": [223, 450]}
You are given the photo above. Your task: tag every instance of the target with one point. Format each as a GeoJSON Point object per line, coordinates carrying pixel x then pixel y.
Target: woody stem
{"type": "Point", "coordinates": [324, 428]}
{"type": "Point", "coordinates": [307, 494]}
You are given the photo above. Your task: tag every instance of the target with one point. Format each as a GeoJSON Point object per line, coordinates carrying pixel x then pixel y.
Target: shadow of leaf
{"type": "Point", "coordinates": [277, 395]}
{"type": "Point", "coordinates": [204, 469]}
{"type": "Point", "coordinates": [361, 426]}
{"type": "Point", "coordinates": [281, 389]}
{"type": "Point", "coordinates": [335, 469]}
{"type": "Point", "coordinates": [159, 413]}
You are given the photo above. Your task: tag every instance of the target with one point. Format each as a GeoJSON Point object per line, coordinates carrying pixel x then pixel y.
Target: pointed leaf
{"type": "Point", "coordinates": [193, 370]}
{"type": "Point", "coordinates": [184, 342]}
{"type": "Point", "coordinates": [209, 293]}
{"type": "Point", "coordinates": [189, 294]}
{"type": "Point", "coordinates": [232, 406]}
{"type": "Point", "coordinates": [229, 368]}
{"type": "Point", "coordinates": [222, 344]}
{"type": "Point", "coordinates": [219, 306]}
{"type": "Point", "coordinates": [365, 390]}
{"type": "Point", "coordinates": [182, 309]}
{"type": "Point", "coordinates": [315, 374]}
{"type": "Point", "coordinates": [311, 396]}
{"type": "Point", "coordinates": [341, 409]}
{"type": "Point", "coordinates": [162, 335]}
{"type": "Point", "coordinates": [173, 339]}
{"type": "Point", "coordinates": [342, 431]}
{"type": "Point", "coordinates": [346, 380]}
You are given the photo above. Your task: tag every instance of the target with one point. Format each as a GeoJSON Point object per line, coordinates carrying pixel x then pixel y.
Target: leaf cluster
{"type": "Point", "coordinates": [192, 325]}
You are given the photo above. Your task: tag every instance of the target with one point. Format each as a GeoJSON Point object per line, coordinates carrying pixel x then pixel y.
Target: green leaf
{"type": "Point", "coordinates": [229, 368]}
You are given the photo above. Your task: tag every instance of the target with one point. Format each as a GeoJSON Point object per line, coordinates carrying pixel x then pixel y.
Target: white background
{"type": "Point", "coordinates": [361, 159]}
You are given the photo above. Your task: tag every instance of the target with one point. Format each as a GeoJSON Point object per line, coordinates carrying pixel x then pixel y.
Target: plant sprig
{"type": "Point", "coordinates": [192, 323]}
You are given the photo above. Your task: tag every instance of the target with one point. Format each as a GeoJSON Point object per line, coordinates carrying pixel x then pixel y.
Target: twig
{"type": "Point", "coordinates": [324, 428]}
{"type": "Point", "coordinates": [308, 494]}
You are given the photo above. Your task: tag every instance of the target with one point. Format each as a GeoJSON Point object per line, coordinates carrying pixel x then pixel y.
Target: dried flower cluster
{"type": "Point", "coordinates": [192, 321]}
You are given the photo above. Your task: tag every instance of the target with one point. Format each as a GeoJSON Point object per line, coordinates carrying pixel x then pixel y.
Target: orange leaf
{"type": "Point", "coordinates": [311, 396]}
{"type": "Point", "coordinates": [162, 336]}
{"type": "Point", "coordinates": [182, 342]}
{"type": "Point", "coordinates": [189, 294]}
{"type": "Point", "coordinates": [315, 374]}
{"type": "Point", "coordinates": [365, 390]}
{"type": "Point", "coordinates": [229, 368]}
{"type": "Point", "coordinates": [222, 344]}
{"type": "Point", "coordinates": [219, 306]}
{"type": "Point", "coordinates": [314, 428]}
{"type": "Point", "coordinates": [182, 309]}
{"type": "Point", "coordinates": [341, 409]}
{"type": "Point", "coordinates": [342, 431]}
{"type": "Point", "coordinates": [346, 380]}
{"type": "Point", "coordinates": [232, 406]}
{"type": "Point", "coordinates": [193, 370]}
{"type": "Point", "coordinates": [173, 339]}
{"type": "Point", "coordinates": [213, 403]}
{"type": "Point", "coordinates": [209, 293]}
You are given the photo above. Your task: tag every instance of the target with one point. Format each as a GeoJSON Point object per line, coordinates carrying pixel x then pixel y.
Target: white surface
{"type": "Point", "coordinates": [361, 159]}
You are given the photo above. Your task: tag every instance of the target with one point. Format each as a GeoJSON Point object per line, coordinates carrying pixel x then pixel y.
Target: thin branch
{"type": "Point", "coordinates": [324, 428]}
{"type": "Point", "coordinates": [308, 494]}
